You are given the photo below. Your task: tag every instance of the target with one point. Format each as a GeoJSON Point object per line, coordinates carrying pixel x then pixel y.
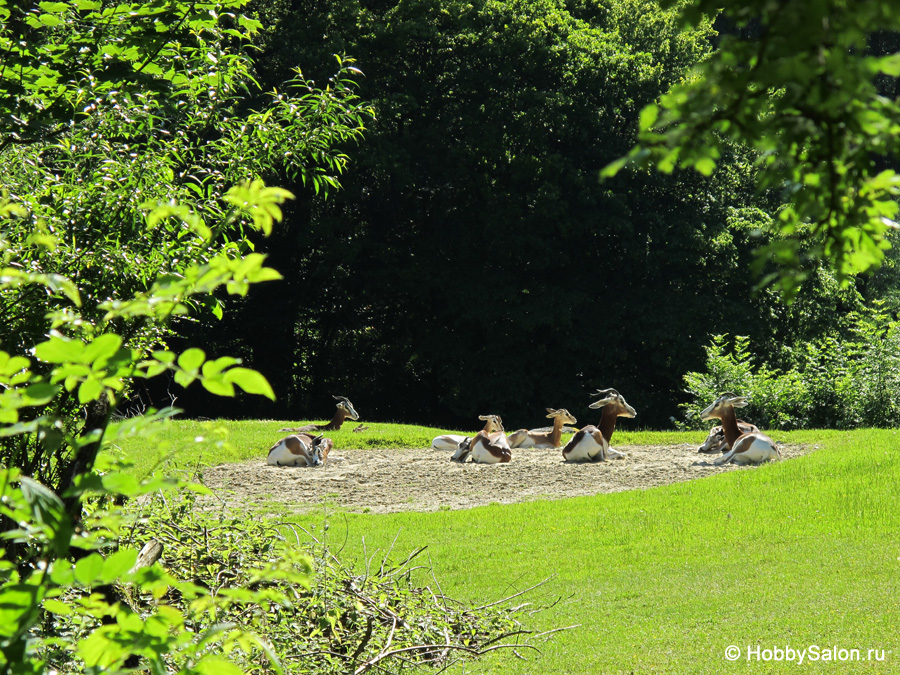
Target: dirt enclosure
{"type": "Point", "coordinates": [383, 481]}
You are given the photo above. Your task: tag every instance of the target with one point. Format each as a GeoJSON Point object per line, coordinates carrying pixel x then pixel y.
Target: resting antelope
{"type": "Point", "coordinates": [746, 448]}
{"type": "Point", "coordinates": [484, 448]}
{"type": "Point", "coordinates": [300, 450]}
{"type": "Point", "coordinates": [716, 443]}
{"type": "Point", "coordinates": [344, 410]}
{"type": "Point", "coordinates": [591, 444]}
{"type": "Point", "coordinates": [523, 438]}
{"type": "Point", "coordinates": [492, 423]}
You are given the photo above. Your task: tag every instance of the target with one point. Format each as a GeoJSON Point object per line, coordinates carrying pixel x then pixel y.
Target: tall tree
{"type": "Point", "coordinates": [474, 262]}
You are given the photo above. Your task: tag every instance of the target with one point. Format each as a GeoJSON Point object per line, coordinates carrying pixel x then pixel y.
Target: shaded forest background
{"type": "Point", "coordinates": [473, 261]}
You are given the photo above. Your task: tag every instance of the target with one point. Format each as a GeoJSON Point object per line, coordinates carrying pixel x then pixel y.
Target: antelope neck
{"type": "Point", "coordinates": [556, 433]}
{"type": "Point", "coordinates": [729, 426]}
{"type": "Point", "coordinates": [607, 423]}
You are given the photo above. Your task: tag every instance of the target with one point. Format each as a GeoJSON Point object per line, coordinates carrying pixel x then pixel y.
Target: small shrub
{"type": "Point", "coordinates": [835, 382]}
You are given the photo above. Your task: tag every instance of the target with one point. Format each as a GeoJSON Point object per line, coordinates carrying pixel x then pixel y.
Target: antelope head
{"type": "Point", "coordinates": [714, 443]}
{"type": "Point", "coordinates": [346, 407]}
{"type": "Point", "coordinates": [318, 453]}
{"type": "Point", "coordinates": [493, 423]}
{"type": "Point", "coordinates": [613, 398]}
{"type": "Point", "coordinates": [462, 450]}
{"type": "Point", "coordinates": [721, 405]}
{"type": "Point", "coordinates": [562, 413]}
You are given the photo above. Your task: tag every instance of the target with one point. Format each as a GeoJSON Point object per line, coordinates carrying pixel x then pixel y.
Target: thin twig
{"type": "Point", "coordinates": [384, 559]}
{"type": "Point", "coordinates": [556, 630]}
{"type": "Point", "coordinates": [516, 595]}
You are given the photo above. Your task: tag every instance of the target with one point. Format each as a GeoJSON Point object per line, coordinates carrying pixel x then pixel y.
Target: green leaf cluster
{"type": "Point", "coordinates": [834, 382]}
{"type": "Point", "coordinates": [799, 83]}
{"type": "Point", "coordinates": [102, 607]}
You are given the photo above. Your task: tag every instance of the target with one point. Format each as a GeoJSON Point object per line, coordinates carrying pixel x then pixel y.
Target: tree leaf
{"type": "Point", "coordinates": [191, 359]}
{"type": "Point", "coordinates": [60, 350]}
{"type": "Point", "coordinates": [101, 348]}
{"type": "Point", "coordinates": [250, 381]}
{"type": "Point", "coordinates": [19, 606]}
{"type": "Point", "coordinates": [88, 570]}
{"type": "Point", "coordinates": [118, 564]}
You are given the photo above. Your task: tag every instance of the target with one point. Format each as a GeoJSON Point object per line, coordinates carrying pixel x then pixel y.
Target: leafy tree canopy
{"type": "Point", "coordinates": [799, 82]}
{"type": "Point", "coordinates": [132, 144]}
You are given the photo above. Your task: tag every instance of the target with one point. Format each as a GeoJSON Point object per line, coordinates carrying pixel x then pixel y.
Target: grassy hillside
{"type": "Point", "coordinates": [799, 554]}
{"type": "Point", "coordinates": [802, 554]}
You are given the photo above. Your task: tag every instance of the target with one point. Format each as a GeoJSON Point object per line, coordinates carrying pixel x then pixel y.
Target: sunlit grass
{"type": "Point", "coordinates": [798, 553]}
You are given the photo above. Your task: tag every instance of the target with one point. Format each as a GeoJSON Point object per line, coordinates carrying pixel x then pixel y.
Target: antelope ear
{"type": "Point", "coordinates": [600, 404]}
{"type": "Point", "coordinates": [484, 418]}
{"type": "Point", "coordinates": [552, 412]}
{"type": "Point", "coordinates": [738, 401]}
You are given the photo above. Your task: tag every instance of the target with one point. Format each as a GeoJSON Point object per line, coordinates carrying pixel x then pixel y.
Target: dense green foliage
{"type": "Point", "coordinates": [75, 598]}
{"type": "Point", "coordinates": [799, 83]}
{"type": "Point", "coordinates": [840, 383]}
{"type": "Point", "coordinates": [125, 181]}
{"type": "Point", "coordinates": [99, 97]}
{"type": "Point", "coordinates": [474, 263]}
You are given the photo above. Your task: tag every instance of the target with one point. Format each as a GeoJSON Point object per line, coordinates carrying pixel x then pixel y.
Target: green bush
{"type": "Point", "coordinates": [841, 383]}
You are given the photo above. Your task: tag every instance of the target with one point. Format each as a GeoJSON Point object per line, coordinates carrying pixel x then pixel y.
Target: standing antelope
{"type": "Point", "coordinates": [300, 450]}
{"type": "Point", "coordinates": [484, 448]}
{"type": "Point", "coordinates": [344, 410]}
{"type": "Point", "coordinates": [716, 443]}
{"type": "Point", "coordinates": [523, 438]}
{"type": "Point", "coordinates": [592, 443]}
{"type": "Point", "coordinates": [746, 448]}
{"type": "Point", "coordinates": [451, 441]}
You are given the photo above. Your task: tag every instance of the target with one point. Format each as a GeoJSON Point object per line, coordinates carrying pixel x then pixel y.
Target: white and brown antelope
{"type": "Point", "coordinates": [300, 450]}
{"type": "Point", "coordinates": [591, 444]}
{"type": "Point", "coordinates": [492, 423]}
{"type": "Point", "coordinates": [523, 438]}
{"type": "Point", "coordinates": [484, 448]}
{"type": "Point", "coordinates": [746, 448]}
{"type": "Point", "coordinates": [343, 411]}
{"type": "Point", "coordinates": [715, 443]}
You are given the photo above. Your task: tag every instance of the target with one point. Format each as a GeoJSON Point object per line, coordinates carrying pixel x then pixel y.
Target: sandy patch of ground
{"type": "Point", "coordinates": [383, 481]}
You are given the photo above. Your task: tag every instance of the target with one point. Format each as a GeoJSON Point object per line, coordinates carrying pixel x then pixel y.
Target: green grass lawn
{"type": "Point", "coordinates": [799, 554]}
